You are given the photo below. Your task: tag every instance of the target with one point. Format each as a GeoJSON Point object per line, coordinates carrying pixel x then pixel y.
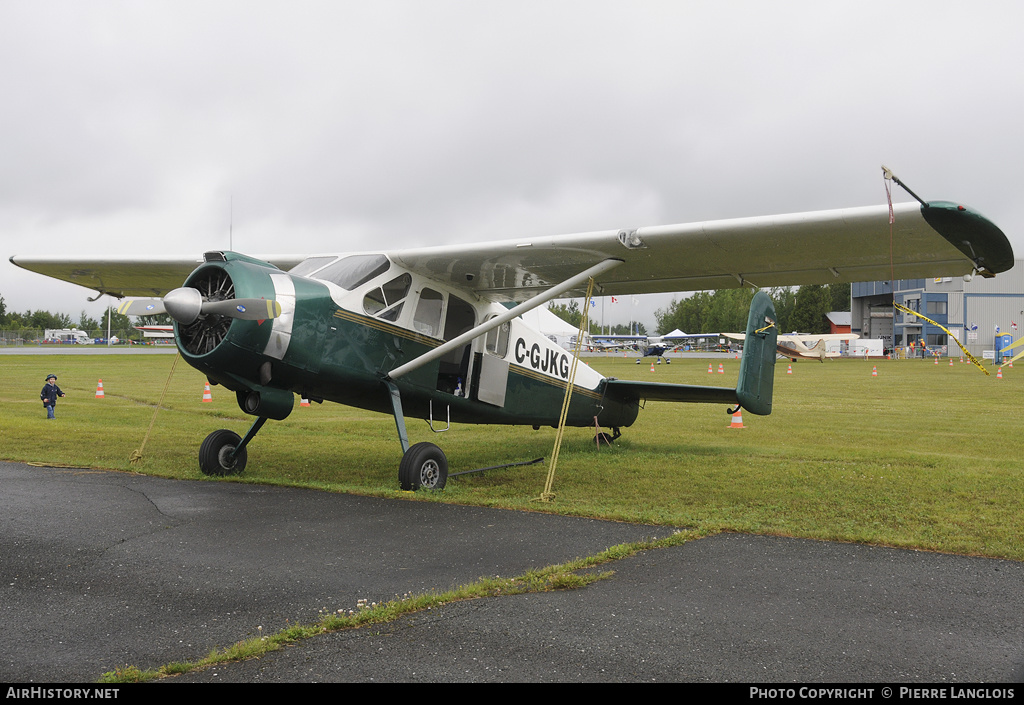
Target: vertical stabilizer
{"type": "Point", "coordinates": [757, 369]}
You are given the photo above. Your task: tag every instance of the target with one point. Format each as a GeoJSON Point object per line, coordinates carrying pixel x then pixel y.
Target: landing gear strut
{"type": "Point", "coordinates": [424, 465]}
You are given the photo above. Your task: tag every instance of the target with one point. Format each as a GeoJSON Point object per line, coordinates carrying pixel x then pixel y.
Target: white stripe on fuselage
{"type": "Point", "coordinates": [281, 333]}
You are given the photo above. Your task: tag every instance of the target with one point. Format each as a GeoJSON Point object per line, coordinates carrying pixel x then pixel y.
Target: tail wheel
{"type": "Point", "coordinates": [215, 454]}
{"type": "Point", "coordinates": [423, 466]}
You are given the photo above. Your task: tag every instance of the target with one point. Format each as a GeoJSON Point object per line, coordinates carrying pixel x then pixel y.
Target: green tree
{"type": "Point", "coordinates": [570, 313]}
{"type": "Point", "coordinates": [120, 324]}
{"type": "Point", "coordinates": [45, 319]}
{"type": "Point", "coordinates": [723, 310]}
{"type": "Point", "coordinates": [784, 300]}
{"type": "Point", "coordinates": [840, 295]}
{"type": "Point", "coordinates": [87, 323]}
{"type": "Point", "coordinates": [813, 303]}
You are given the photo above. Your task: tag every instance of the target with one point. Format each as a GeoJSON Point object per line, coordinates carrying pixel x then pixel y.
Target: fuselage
{"type": "Point", "coordinates": [348, 320]}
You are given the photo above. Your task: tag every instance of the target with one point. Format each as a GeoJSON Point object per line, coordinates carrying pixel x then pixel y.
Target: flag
{"type": "Point", "coordinates": [1013, 325]}
{"type": "Point", "coordinates": [615, 300]}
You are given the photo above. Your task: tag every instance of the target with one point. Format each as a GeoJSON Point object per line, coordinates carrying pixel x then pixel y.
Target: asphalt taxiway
{"type": "Point", "coordinates": [105, 569]}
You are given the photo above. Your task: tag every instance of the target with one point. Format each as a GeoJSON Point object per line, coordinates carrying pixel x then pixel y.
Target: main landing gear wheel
{"type": "Point", "coordinates": [215, 454]}
{"type": "Point", "coordinates": [423, 466]}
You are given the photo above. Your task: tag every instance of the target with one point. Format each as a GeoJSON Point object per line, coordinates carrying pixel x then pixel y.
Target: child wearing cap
{"type": "Point", "coordinates": [49, 395]}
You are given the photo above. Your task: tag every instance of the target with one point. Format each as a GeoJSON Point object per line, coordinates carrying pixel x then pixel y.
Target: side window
{"type": "Point", "coordinates": [497, 340]}
{"type": "Point", "coordinates": [427, 319]}
{"type": "Point", "coordinates": [385, 302]}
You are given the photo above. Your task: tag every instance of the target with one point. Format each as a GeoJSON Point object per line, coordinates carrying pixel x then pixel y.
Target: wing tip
{"type": "Point", "coordinates": [977, 237]}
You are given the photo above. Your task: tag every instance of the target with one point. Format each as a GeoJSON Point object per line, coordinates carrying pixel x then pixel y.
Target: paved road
{"type": "Point", "coordinates": [102, 569]}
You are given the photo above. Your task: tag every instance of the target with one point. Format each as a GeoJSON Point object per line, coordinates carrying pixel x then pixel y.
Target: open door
{"type": "Point", "coordinates": [453, 370]}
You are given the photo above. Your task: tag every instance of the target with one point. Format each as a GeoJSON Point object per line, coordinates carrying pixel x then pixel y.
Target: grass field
{"type": "Point", "coordinates": [923, 455]}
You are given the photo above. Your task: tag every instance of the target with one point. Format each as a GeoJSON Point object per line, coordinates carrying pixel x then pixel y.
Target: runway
{"type": "Point", "coordinates": [105, 569]}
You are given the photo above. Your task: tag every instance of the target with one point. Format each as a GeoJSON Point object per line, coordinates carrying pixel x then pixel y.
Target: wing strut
{"type": "Point", "coordinates": [552, 293]}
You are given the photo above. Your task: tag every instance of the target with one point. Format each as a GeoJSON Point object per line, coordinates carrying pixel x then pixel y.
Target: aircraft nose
{"type": "Point", "coordinates": [184, 304]}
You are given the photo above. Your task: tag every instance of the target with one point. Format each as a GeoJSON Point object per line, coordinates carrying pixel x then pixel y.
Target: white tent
{"type": "Point", "coordinates": [552, 326]}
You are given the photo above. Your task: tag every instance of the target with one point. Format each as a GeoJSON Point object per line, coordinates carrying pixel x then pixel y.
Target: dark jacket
{"type": "Point", "coordinates": [49, 394]}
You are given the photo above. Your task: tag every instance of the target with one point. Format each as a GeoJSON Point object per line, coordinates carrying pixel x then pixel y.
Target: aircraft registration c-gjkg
{"type": "Point", "coordinates": [426, 332]}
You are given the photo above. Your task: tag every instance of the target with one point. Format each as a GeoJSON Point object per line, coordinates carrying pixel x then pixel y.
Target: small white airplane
{"type": "Point", "coordinates": [650, 345]}
{"type": "Point", "coordinates": [795, 345]}
{"type": "Point", "coordinates": [424, 332]}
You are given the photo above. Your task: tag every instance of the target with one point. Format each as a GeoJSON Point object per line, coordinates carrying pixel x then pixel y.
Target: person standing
{"type": "Point", "coordinates": [49, 395]}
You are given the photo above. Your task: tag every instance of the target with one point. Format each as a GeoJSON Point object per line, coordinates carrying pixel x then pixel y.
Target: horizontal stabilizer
{"type": "Point", "coordinates": [754, 390]}
{"type": "Point", "coordinates": [627, 390]}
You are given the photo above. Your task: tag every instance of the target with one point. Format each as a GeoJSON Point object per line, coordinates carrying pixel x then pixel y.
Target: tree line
{"type": "Point", "coordinates": [725, 310]}
{"type": "Point", "coordinates": [41, 320]}
{"type": "Point", "coordinates": [35, 322]}
{"type": "Point", "coordinates": [572, 314]}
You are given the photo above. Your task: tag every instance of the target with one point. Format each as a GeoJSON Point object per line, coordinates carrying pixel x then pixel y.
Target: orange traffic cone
{"type": "Point", "coordinates": [304, 402]}
{"type": "Point", "coordinates": [950, 362]}
{"type": "Point", "coordinates": [789, 369]}
{"type": "Point", "coordinates": [207, 397]}
{"type": "Point", "coordinates": [710, 371]}
{"type": "Point", "coordinates": [721, 370]}
{"type": "Point", "coordinates": [99, 390]}
{"type": "Point", "coordinates": [874, 371]}
{"type": "Point", "coordinates": [999, 374]}
{"type": "Point", "coordinates": [737, 420]}
{"type": "Point", "coordinates": [652, 366]}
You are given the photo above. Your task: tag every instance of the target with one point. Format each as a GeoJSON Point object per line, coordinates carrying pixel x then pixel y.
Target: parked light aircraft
{"type": "Point", "coordinates": [422, 332]}
{"type": "Point", "coordinates": [795, 345]}
{"type": "Point", "coordinates": [652, 346]}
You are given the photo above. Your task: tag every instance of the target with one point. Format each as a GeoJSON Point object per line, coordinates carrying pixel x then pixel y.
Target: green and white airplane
{"type": "Point", "coordinates": [435, 332]}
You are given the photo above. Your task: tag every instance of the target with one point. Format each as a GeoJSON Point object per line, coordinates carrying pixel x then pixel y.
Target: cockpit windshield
{"type": "Point", "coordinates": [350, 272]}
{"type": "Point", "coordinates": [310, 265]}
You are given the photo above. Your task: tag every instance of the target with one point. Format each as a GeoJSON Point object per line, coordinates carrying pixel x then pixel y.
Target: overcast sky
{"type": "Point", "coordinates": [135, 128]}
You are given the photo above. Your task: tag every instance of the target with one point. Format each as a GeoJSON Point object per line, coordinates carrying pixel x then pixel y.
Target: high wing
{"type": "Point", "coordinates": [940, 239]}
{"type": "Point", "coordinates": [119, 277]}
{"type": "Point", "coordinates": [821, 247]}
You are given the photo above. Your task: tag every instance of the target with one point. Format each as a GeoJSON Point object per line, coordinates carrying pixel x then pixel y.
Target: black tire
{"type": "Point", "coordinates": [213, 454]}
{"type": "Point", "coordinates": [423, 466]}
{"type": "Point", "coordinates": [603, 438]}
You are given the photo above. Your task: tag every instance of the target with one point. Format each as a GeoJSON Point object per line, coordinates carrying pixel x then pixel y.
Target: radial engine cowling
{"type": "Point", "coordinates": [224, 278]}
{"type": "Point", "coordinates": [245, 355]}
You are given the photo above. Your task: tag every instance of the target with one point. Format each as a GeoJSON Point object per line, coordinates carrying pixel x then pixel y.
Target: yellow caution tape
{"type": "Point", "coordinates": [952, 337]}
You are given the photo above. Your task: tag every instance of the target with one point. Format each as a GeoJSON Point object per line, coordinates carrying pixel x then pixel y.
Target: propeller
{"type": "Point", "coordinates": [186, 305]}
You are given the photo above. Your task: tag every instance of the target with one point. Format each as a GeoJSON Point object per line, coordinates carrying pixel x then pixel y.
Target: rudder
{"type": "Point", "coordinates": [757, 369]}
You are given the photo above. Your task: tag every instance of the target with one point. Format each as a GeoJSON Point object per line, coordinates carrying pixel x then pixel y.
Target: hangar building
{"type": "Point", "coordinates": [984, 314]}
